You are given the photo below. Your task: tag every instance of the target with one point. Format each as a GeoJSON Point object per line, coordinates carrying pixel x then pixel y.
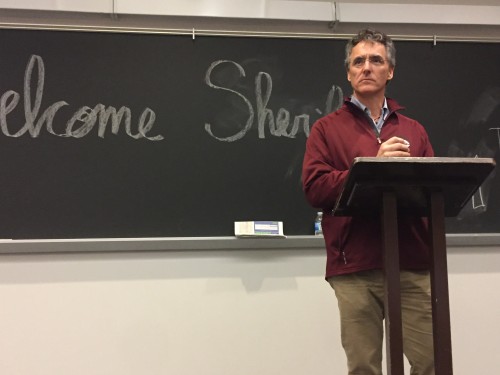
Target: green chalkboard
{"type": "Point", "coordinates": [106, 135]}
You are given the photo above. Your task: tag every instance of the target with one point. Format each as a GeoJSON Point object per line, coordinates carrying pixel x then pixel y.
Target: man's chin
{"type": "Point", "coordinates": [368, 90]}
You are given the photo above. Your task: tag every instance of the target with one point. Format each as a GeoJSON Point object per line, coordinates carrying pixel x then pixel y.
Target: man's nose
{"type": "Point", "coordinates": [367, 64]}
{"type": "Point", "coordinates": [367, 67]}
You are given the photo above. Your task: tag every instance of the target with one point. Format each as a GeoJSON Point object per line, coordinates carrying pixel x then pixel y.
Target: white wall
{"type": "Point", "coordinates": [480, 12]}
{"type": "Point", "coordinates": [208, 312]}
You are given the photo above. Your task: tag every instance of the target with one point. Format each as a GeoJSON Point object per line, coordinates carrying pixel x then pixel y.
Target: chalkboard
{"type": "Point", "coordinates": [106, 135]}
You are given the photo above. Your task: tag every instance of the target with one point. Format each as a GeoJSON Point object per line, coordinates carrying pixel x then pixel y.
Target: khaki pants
{"type": "Point", "coordinates": [360, 299]}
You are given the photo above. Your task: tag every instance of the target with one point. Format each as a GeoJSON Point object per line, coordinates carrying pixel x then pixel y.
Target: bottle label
{"type": "Point", "coordinates": [317, 228]}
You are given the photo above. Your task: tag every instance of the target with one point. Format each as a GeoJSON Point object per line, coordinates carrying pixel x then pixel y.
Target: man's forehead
{"type": "Point", "coordinates": [368, 47]}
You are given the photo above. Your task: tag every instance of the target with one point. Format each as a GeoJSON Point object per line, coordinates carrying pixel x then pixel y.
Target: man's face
{"type": "Point", "coordinates": [369, 69]}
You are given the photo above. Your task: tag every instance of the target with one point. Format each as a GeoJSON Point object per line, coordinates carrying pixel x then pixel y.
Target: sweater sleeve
{"type": "Point", "coordinates": [427, 150]}
{"type": "Point", "coordinates": [321, 181]}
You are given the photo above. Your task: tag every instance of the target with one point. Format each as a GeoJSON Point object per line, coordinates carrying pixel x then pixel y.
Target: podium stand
{"type": "Point", "coordinates": [432, 187]}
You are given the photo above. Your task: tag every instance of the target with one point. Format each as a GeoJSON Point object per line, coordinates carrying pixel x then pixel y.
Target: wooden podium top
{"type": "Point", "coordinates": [411, 179]}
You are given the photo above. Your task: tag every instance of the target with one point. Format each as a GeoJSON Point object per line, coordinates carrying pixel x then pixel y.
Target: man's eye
{"type": "Point", "coordinates": [376, 60]}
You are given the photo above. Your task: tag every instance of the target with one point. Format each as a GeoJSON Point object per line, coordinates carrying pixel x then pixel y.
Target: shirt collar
{"type": "Point", "coordinates": [385, 107]}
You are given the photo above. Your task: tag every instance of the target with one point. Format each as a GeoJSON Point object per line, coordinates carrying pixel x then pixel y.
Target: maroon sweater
{"type": "Point", "coordinates": [354, 243]}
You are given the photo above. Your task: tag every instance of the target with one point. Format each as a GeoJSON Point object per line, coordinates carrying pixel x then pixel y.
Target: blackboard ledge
{"type": "Point", "coordinates": [157, 244]}
{"type": "Point", "coordinates": [40, 246]}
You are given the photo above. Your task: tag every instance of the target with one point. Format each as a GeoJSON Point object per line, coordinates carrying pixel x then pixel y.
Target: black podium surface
{"type": "Point", "coordinates": [411, 180]}
{"type": "Point", "coordinates": [432, 187]}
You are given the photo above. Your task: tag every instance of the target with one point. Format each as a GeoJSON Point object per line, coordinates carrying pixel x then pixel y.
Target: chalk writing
{"type": "Point", "coordinates": [498, 134]}
{"type": "Point", "coordinates": [477, 199]}
{"type": "Point", "coordinates": [279, 125]}
{"type": "Point", "coordinates": [82, 121]}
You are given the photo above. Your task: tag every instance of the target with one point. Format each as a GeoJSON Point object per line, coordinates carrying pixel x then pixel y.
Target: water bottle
{"type": "Point", "coordinates": [318, 231]}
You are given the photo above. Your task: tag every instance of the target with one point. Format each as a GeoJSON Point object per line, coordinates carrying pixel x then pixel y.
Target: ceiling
{"type": "Point", "coordinates": [430, 2]}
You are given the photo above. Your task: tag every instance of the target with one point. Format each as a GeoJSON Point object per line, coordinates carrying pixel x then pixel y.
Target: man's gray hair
{"type": "Point", "coordinates": [368, 35]}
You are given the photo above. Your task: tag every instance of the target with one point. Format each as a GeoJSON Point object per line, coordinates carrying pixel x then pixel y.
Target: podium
{"type": "Point", "coordinates": [431, 187]}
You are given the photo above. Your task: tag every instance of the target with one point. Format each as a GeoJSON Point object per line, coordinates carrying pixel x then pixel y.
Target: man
{"type": "Point", "coordinates": [369, 124]}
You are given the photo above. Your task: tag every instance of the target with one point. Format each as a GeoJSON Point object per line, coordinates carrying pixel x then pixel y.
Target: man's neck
{"type": "Point", "coordinates": [373, 102]}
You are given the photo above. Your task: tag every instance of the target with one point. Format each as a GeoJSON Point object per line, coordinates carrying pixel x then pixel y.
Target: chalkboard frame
{"type": "Point", "coordinates": [456, 242]}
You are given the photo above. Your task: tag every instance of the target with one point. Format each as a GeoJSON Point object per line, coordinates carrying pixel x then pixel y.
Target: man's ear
{"type": "Point", "coordinates": [390, 74]}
